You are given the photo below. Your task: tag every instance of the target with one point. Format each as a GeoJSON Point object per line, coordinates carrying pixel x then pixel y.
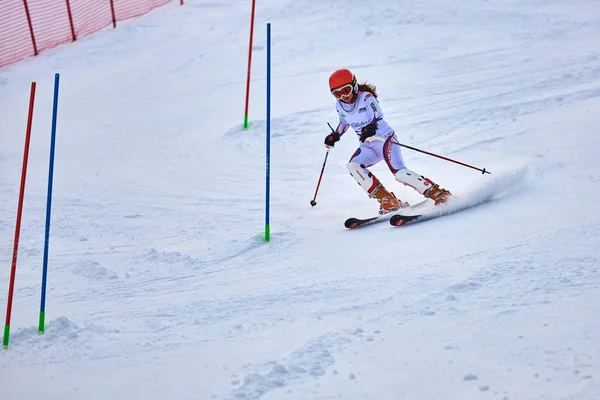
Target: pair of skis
{"type": "Point", "coordinates": [395, 218]}
{"type": "Point", "coordinates": [424, 211]}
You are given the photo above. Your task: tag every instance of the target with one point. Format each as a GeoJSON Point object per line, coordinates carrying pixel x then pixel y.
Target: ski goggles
{"type": "Point", "coordinates": [342, 91]}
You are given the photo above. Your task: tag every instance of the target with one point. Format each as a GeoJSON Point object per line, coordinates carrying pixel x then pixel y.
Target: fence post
{"type": "Point", "coordinates": [71, 21]}
{"type": "Point", "coordinates": [35, 51]}
{"type": "Point", "coordinates": [112, 11]}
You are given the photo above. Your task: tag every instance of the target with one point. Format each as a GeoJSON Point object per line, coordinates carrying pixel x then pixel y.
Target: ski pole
{"type": "Point", "coordinates": [313, 202]}
{"type": "Point", "coordinates": [483, 171]}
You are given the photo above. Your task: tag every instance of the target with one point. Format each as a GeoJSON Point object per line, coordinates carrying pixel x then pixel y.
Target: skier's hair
{"type": "Point", "coordinates": [367, 87]}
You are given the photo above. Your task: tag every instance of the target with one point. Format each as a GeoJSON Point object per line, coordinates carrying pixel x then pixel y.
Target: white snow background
{"type": "Point", "coordinates": [159, 285]}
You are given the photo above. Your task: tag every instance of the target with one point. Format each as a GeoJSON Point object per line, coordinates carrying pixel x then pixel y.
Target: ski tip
{"type": "Point", "coordinates": [397, 220]}
{"type": "Point", "coordinates": [351, 223]}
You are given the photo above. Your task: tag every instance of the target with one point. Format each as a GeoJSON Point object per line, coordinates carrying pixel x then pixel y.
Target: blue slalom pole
{"type": "Point", "coordinates": [268, 163]}
{"type": "Point", "coordinates": [48, 207]}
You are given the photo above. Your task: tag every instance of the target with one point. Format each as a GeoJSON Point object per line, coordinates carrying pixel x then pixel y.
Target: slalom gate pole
{"type": "Point", "coordinates": [249, 65]}
{"type": "Point", "coordinates": [48, 207]}
{"type": "Point", "coordinates": [13, 269]}
{"type": "Point", "coordinates": [268, 138]}
{"type": "Point", "coordinates": [482, 170]}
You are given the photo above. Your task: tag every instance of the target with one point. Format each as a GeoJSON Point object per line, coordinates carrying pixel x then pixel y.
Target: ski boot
{"type": "Point", "coordinates": [387, 201]}
{"type": "Point", "coordinates": [437, 194]}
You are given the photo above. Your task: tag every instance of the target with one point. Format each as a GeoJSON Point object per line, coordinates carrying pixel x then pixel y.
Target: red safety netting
{"type": "Point", "coordinates": [15, 40]}
{"type": "Point", "coordinates": [30, 26]}
{"type": "Point", "coordinates": [50, 22]}
{"type": "Point", "coordinates": [90, 16]}
{"type": "Point", "coordinates": [125, 9]}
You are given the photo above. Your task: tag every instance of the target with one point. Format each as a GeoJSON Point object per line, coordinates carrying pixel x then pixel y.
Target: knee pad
{"type": "Point", "coordinates": [414, 180]}
{"type": "Point", "coordinates": [363, 177]}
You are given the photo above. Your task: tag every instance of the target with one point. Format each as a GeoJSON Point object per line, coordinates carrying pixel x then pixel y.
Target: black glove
{"type": "Point", "coordinates": [331, 139]}
{"type": "Point", "coordinates": [367, 132]}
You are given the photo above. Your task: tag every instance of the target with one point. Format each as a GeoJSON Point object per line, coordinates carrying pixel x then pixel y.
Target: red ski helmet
{"type": "Point", "coordinates": [342, 77]}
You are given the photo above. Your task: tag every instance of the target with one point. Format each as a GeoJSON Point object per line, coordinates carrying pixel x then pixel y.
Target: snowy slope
{"type": "Point", "coordinates": [159, 283]}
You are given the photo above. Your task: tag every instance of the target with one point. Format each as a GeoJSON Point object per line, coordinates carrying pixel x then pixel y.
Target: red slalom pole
{"type": "Point", "coordinates": [249, 66]}
{"type": "Point", "coordinates": [13, 269]}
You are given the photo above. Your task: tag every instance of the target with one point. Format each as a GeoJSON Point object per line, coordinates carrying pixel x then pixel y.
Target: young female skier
{"type": "Point", "coordinates": [357, 107]}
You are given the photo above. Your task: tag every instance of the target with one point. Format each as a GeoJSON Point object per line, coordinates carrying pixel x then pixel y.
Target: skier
{"type": "Point", "coordinates": [358, 107]}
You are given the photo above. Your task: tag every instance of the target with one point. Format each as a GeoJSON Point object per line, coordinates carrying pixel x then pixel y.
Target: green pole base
{"type": "Point", "coordinates": [41, 324]}
{"type": "Point", "coordinates": [246, 125]}
{"type": "Point", "coordinates": [267, 233]}
{"type": "Point", "coordinates": [6, 335]}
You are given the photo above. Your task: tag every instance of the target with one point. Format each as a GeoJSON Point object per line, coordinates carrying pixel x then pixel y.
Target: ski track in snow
{"type": "Point", "coordinates": [160, 285]}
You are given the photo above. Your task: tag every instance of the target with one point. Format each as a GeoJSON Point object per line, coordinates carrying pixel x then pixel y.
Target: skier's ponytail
{"type": "Point", "coordinates": [367, 87]}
